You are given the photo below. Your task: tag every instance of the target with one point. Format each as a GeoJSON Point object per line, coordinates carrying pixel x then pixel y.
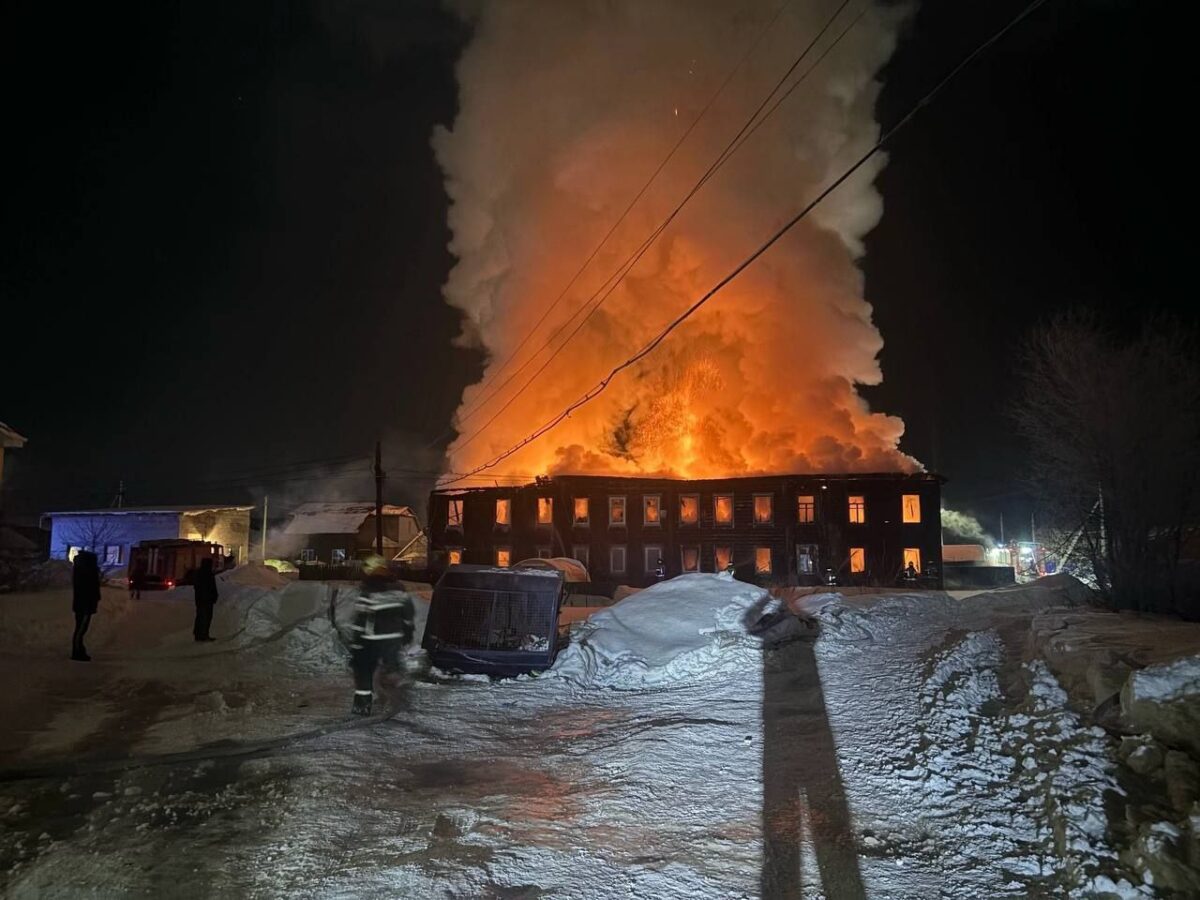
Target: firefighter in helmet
{"type": "Point", "coordinates": [381, 627]}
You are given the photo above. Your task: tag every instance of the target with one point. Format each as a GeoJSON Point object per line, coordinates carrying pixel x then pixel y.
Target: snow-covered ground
{"type": "Point", "coordinates": [695, 740]}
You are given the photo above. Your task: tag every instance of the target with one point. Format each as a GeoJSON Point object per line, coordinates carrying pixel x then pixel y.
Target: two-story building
{"type": "Point", "coordinates": [772, 529]}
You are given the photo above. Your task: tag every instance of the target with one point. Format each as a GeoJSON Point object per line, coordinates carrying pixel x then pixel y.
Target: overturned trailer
{"type": "Point", "coordinates": [494, 621]}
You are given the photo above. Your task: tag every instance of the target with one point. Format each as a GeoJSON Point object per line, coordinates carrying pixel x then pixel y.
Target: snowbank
{"type": "Point", "coordinates": [254, 575]}
{"type": "Point", "coordinates": [1164, 700]}
{"type": "Point", "coordinates": [1163, 684]}
{"type": "Point", "coordinates": [685, 629]}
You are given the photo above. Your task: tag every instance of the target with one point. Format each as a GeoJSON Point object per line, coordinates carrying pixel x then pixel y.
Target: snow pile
{"type": "Point", "coordinates": [689, 628]}
{"type": "Point", "coordinates": [1164, 684]}
{"type": "Point", "coordinates": [254, 575]}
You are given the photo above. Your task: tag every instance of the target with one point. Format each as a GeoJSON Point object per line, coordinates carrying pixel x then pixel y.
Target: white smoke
{"type": "Point", "coordinates": [966, 527]}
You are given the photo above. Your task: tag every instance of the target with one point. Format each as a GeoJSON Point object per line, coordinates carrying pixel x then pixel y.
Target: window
{"type": "Point", "coordinates": [503, 557]}
{"type": "Point", "coordinates": [337, 557]}
{"type": "Point", "coordinates": [652, 509]}
{"type": "Point", "coordinates": [858, 510]}
{"type": "Point", "coordinates": [912, 556]}
{"type": "Point", "coordinates": [762, 560]}
{"type": "Point", "coordinates": [722, 558]}
{"type": "Point", "coordinates": [911, 509]}
{"type": "Point", "coordinates": [689, 559]}
{"type": "Point", "coordinates": [544, 552]}
{"type": "Point", "coordinates": [454, 556]}
{"type": "Point", "coordinates": [764, 509]}
{"type": "Point", "coordinates": [582, 511]}
{"type": "Point", "coordinates": [616, 559]}
{"type": "Point", "coordinates": [858, 559]}
{"type": "Point", "coordinates": [308, 555]}
{"type": "Point", "coordinates": [454, 514]}
{"type": "Point", "coordinates": [723, 509]}
{"type": "Point", "coordinates": [616, 513]}
{"type": "Point", "coordinates": [652, 556]}
{"type": "Point", "coordinates": [195, 536]}
{"type": "Point", "coordinates": [72, 552]}
{"type": "Point", "coordinates": [545, 512]}
{"type": "Point", "coordinates": [806, 559]}
{"type": "Point", "coordinates": [582, 552]}
{"type": "Point", "coordinates": [689, 509]}
{"type": "Point", "coordinates": [806, 508]}
{"type": "Point", "coordinates": [504, 512]}
{"type": "Point", "coordinates": [112, 555]}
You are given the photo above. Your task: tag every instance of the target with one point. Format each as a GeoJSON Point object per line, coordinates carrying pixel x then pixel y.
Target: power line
{"type": "Point", "coordinates": [749, 127]}
{"type": "Point", "coordinates": [770, 242]}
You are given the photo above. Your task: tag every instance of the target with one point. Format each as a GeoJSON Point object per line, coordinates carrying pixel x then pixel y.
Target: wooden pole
{"type": "Point", "coordinates": [378, 498]}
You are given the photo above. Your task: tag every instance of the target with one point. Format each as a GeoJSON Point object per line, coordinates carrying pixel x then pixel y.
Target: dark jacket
{"type": "Point", "coordinates": [85, 583]}
{"type": "Point", "coordinates": [206, 583]}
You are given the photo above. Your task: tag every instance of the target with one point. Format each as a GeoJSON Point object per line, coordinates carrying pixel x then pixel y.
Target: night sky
{"type": "Point", "coordinates": [225, 238]}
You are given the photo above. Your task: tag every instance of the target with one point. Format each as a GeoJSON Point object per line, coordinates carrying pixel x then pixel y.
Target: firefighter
{"type": "Point", "coordinates": [910, 572]}
{"type": "Point", "coordinates": [381, 627]}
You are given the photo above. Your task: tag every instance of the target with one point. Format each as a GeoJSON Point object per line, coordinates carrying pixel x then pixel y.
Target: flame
{"type": "Point", "coordinates": [764, 378]}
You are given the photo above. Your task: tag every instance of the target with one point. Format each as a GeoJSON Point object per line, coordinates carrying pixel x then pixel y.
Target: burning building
{"type": "Point", "coordinates": [772, 529]}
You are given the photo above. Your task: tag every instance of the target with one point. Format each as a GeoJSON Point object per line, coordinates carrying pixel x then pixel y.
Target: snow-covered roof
{"type": "Point", "coordinates": [143, 510]}
{"type": "Point", "coordinates": [10, 438]}
{"type": "Point", "coordinates": [337, 518]}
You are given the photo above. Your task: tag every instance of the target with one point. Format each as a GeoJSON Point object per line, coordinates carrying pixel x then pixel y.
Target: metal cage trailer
{"type": "Point", "coordinates": [494, 621]}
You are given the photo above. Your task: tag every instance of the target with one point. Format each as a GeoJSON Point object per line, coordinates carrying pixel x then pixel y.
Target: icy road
{"type": "Point", "coordinates": [902, 749]}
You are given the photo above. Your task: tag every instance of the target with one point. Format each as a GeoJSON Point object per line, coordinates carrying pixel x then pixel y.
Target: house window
{"type": "Point", "coordinates": [806, 508]}
{"type": "Point", "coordinates": [616, 559]}
{"type": "Point", "coordinates": [764, 512]}
{"type": "Point", "coordinates": [545, 512]}
{"type": "Point", "coordinates": [454, 514]}
{"type": "Point", "coordinates": [912, 556]}
{"type": "Point", "coordinates": [722, 557]}
{"type": "Point", "coordinates": [652, 556]}
{"type": "Point", "coordinates": [72, 552]}
{"type": "Point", "coordinates": [504, 512]}
{"type": "Point", "coordinates": [858, 510]}
{"type": "Point", "coordinates": [543, 552]}
{"type": "Point", "coordinates": [762, 560]}
{"type": "Point", "coordinates": [112, 555]}
{"type": "Point", "coordinates": [337, 557]}
{"type": "Point", "coordinates": [689, 509]}
{"type": "Point", "coordinates": [911, 508]}
{"type": "Point", "coordinates": [652, 509]}
{"type": "Point", "coordinates": [689, 559]}
{"type": "Point", "coordinates": [858, 559]}
{"type": "Point", "coordinates": [723, 509]}
{"type": "Point", "coordinates": [582, 511]}
{"type": "Point", "coordinates": [308, 555]}
{"type": "Point", "coordinates": [806, 559]}
{"type": "Point", "coordinates": [616, 512]}
{"type": "Point", "coordinates": [454, 556]}
{"type": "Point", "coordinates": [503, 557]}
{"type": "Point", "coordinates": [582, 552]}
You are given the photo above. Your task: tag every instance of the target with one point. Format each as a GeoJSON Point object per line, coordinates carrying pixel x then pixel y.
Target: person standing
{"type": "Point", "coordinates": [136, 579]}
{"type": "Point", "coordinates": [381, 627]}
{"type": "Point", "coordinates": [85, 590]}
{"type": "Point", "coordinates": [206, 598]}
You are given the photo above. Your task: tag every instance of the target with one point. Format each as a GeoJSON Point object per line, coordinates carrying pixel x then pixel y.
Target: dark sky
{"type": "Point", "coordinates": [225, 237]}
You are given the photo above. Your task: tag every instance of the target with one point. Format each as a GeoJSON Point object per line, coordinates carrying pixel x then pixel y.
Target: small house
{"type": "Point", "coordinates": [335, 534]}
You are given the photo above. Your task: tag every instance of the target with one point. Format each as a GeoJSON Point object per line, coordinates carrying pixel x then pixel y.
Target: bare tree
{"type": "Point", "coordinates": [1113, 424]}
{"type": "Point", "coordinates": [94, 533]}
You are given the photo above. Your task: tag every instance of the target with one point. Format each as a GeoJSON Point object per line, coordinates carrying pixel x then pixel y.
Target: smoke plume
{"type": "Point", "coordinates": [565, 110]}
{"type": "Point", "coordinates": [966, 527]}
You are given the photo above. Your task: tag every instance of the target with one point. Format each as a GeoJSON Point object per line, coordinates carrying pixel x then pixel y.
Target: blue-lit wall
{"type": "Point", "coordinates": [107, 530]}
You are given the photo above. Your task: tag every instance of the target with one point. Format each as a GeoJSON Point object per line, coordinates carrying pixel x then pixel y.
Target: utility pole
{"type": "Point", "coordinates": [1001, 529]}
{"type": "Point", "coordinates": [264, 531]}
{"type": "Point", "coordinates": [378, 498]}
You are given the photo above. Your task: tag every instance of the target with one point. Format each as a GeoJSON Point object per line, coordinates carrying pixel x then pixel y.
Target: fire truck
{"type": "Point", "coordinates": [168, 563]}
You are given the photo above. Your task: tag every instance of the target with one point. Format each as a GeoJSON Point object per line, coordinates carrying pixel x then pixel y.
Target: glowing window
{"type": "Point", "coordinates": [912, 557]}
{"type": "Point", "coordinates": [689, 559]}
{"type": "Point", "coordinates": [689, 509]}
{"type": "Point", "coordinates": [806, 508]}
{"type": "Point", "coordinates": [582, 511]}
{"type": "Point", "coordinates": [723, 509]}
{"type": "Point", "coordinates": [454, 556]}
{"type": "Point", "coordinates": [581, 552]}
{"type": "Point", "coordinates": [858, 559]}
{"type": "Point", "coordinates": [503, 557]}
{"type": "Point", "coordinates": [454, 509]}
{"type": "Point", "coordinates": [762, 560]}
{"type": "Point", "coordinates": [545, 512]}
{"type": "Point", "coordinates": [652, 557]}
{"type": "Point", "coordinates": [911, 507]}
{"type": "Point", "coordinates": [858, 510]}
{"type": "Point", "coordinates": [616, 512]}
{"type": "Point", "coordinates": [73, 552]}
{"type": "Point", "coordinates": [616, 559]}
{"type": "Point", "coordinates": [652, 509]}
{"type": "Point", "coordinates": [722, 557]}
{"type": "Point", "coordinates": [504, 512]}
{"type": "Point", "coordinates": [764, 509]}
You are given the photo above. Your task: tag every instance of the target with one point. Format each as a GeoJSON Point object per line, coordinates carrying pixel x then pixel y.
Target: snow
{"type": "Point", "coordinates": [1166, 683]}
{"type": "Point", "coordinates": [685, 629]}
